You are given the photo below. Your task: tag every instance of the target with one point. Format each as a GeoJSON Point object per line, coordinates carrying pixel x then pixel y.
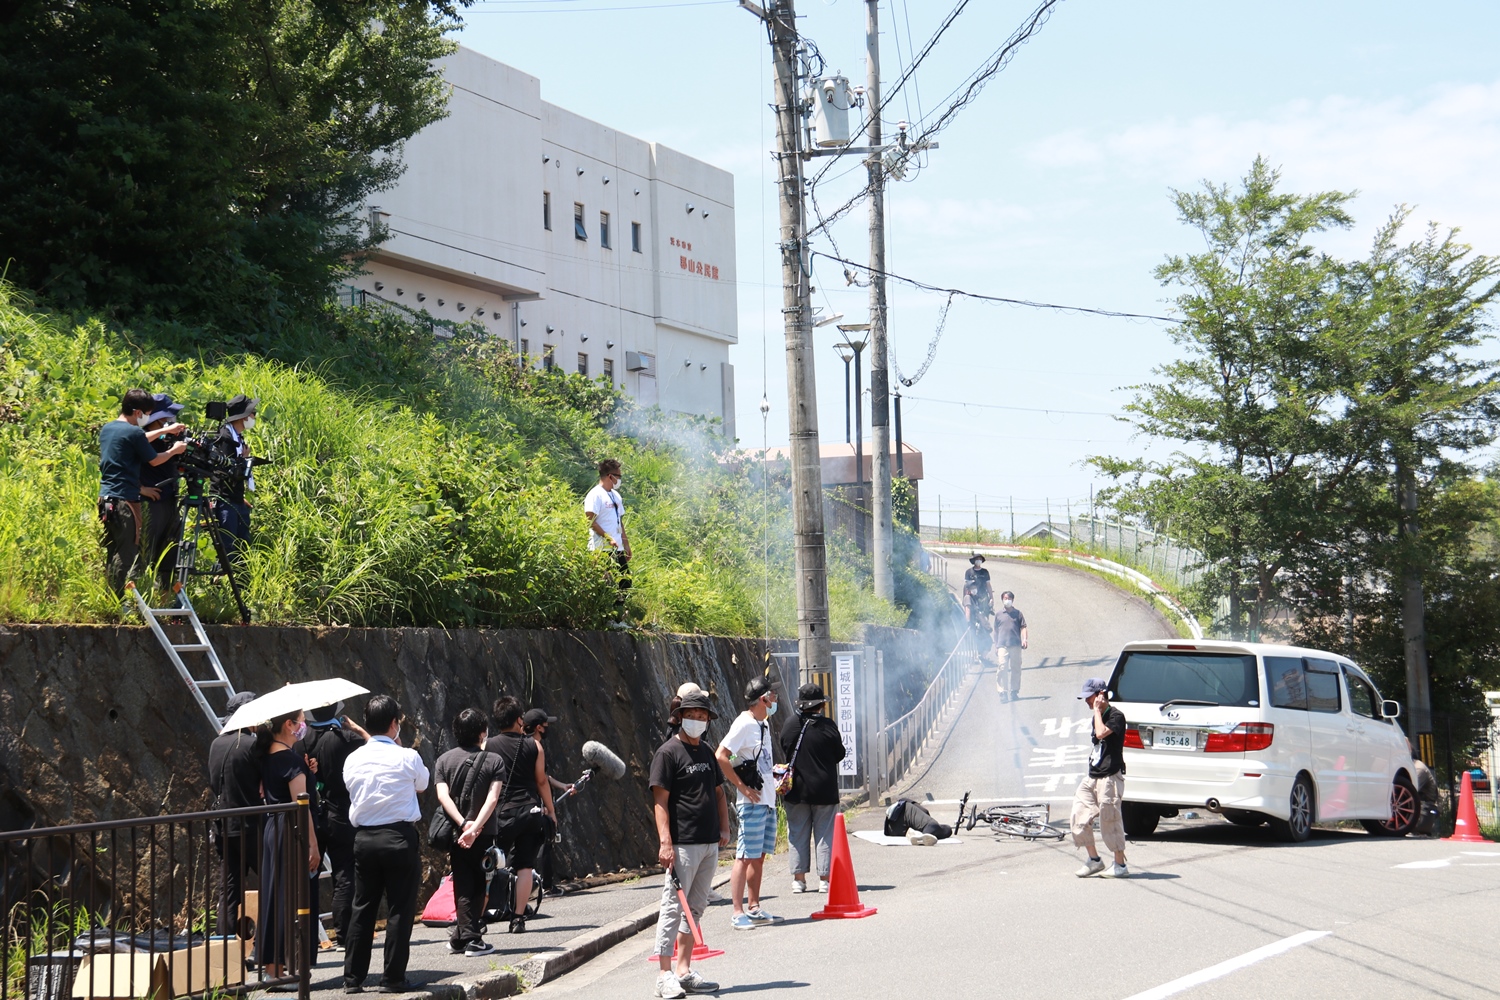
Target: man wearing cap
{"type": "Point", "coordinates": [813, 748]}
{"type": "Point", "coordinates": [1103, 788]}
{"type": "Point", "coordinates": [159, 490]}
{"type": "Point", "coordinates": [231, 507]}
{"type": "Point", "coordinates": [979, 597]}
{"type": "Point", "coordinates": [125, 449]}
{"type": "Point", "coordinates": [691, 816]}
{"type": "Point", "coordinates": [234, 778]}
{"type": "Point", "coordinates": [745, 758]}
{"type": "Point", "coordinates": [327, 746]}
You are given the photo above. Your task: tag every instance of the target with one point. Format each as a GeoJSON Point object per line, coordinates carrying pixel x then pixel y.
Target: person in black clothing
{"type": "Point", "coordinates": [813, 748]}
{"type": "Point", "coordinates": [905, 818]}
{"type": "Point", "coordinates": [1103, 789]}
{"type": "Point", "coordinates": [979, 597]}
{"type": "Point", "coordinates": [124, 450]}
{"type": "Point", "coordinates": [284, 775]}
{"type": "Point", "coordinates": [328, 743]}
{"type": "Point", "coordinates": [230, 506]}
{"type": "Point", "coordinates": [535, 724]}
{"type": "Point", "coordinates": [468, 790]}
{"type": "Point", "coordinates": [159, 490]}
{"type": "Point", "coordinates": [234, 778]}
{"type": "Point", "coordinates": [525, 805]}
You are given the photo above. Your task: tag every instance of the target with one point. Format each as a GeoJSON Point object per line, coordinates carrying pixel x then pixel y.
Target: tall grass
{"type": "Point", "coordinates": [436, 484]}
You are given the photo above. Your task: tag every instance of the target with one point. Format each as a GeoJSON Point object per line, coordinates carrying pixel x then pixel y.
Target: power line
{"type": "Point", "coordinates": [1001, 406]}
{"type": "Point", "coordinates": [1029, 303]}
{"type": "Point", "coordinates": [503, 6]}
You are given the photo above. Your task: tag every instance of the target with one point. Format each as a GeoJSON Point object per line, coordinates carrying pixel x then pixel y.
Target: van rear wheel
{"type": "Point", "coordinates": [1404, 812]}
{"type": "Point", "coordinates": [1242, 817]}
{"type": "Point", "coordinates": [1297, 827]}
{"type": "Point", "coordinates": [1139, 820]}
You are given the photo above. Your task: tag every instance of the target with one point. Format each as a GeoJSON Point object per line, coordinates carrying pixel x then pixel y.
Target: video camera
{"type": "Point", "coordinates": [202, 462]}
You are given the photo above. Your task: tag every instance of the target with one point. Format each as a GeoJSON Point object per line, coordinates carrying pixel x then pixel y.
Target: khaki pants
{"type": "Point", "coordinates": [1099, 798]}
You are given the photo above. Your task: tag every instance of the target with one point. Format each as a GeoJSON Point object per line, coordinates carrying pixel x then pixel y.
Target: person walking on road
{"type": "Point", "coordinates": [1103, 788]}
{"type": "Point", "coordinates": [745, 758]}
{"type": "Point", "coordinates": [692, 823]}
{"type": "Point", "coordinates": [813, 748]}
{"type": "Point", "coordinates": [1011, 636]}
{"type": "Point", "coordinates": [384, 779]}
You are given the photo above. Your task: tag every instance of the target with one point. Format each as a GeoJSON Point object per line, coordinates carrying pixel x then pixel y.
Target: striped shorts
{"type": "Point", "coordinates": [757, 831]}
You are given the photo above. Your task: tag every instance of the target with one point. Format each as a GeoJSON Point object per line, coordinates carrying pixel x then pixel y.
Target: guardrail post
{"type": "Point", "coordinates": [298, 870]}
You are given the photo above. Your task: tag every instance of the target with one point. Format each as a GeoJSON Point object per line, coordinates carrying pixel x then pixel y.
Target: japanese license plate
{"type": "Point", "coordinates": [1175, 739]}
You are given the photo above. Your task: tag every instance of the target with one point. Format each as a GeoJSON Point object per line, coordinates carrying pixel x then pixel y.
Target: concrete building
{"type": "Point", "coordinates": [587, 248]}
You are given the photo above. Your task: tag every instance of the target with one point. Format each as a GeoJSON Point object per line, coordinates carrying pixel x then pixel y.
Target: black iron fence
{"type": "Point", "coordinates": [158, 907]}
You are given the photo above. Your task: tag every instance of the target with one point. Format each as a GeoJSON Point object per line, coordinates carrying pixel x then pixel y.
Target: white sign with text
{"type": "Point", "coordinates": [843, 682]}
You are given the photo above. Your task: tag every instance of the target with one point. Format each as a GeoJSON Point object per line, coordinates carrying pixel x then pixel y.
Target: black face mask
{"type": "Point", "coordinates": [540, 734]}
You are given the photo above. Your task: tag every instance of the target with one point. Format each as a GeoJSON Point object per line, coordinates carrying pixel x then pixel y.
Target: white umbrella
{"type": "Point", "coordinates": [292, 698]}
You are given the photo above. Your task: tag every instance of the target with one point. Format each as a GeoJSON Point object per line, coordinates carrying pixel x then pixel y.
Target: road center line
{"type": "Point", "coordinates": [1232, 965]}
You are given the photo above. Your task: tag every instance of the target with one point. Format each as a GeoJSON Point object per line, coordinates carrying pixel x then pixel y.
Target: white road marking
{"type": "Point", "coordinates": [1059, 756]}
{"type": "Point", "coordinates": [1051, 782]}
{"type": "Point", "coordinates": [1063, 728]}
{"type": "Point", "coordinates": [1438, 863]}
{"type": "Point", "coordinates": [1233, 965]}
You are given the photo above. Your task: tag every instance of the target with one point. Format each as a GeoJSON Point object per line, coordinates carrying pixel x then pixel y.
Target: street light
{"type": "Point", "coordinates": [846, 354]}
{"type": "Point", "coordinates": [856, 344]}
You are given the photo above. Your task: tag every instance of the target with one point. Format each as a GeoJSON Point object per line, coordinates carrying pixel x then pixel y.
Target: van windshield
{"type": "Point", "coordinates": [1155, 678]}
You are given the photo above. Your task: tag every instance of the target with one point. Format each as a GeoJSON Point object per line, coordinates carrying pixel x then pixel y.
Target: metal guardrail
{"type": "Point", "coordinates": [140, 907]}
{"type": "Point", "coordinates": [901, 742]}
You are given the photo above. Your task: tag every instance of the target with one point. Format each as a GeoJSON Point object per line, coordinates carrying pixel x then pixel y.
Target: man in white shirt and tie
{"type": "Point", "coordinates": [384, 779]}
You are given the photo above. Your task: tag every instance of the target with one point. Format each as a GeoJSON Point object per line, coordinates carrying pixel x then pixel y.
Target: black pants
{"type": "Point", "coordinates": [387, 862]}
{"type": "Point", "coordinates": [339, 846]}
{"type": "Point", "coordinates": [905, 815]}
{"type": "Point", "coordinates": [234, 528]}
{"type": "Point", "coordinates": [237, 861]}
{"type": "Point", "coordinates": [625, 583]}
{"type": "Point", "coordinates": [122, 542]}
{"type": "Point", "coordinates": [159, 540]}
{"type": "Point", "coordinates": [468, 891]}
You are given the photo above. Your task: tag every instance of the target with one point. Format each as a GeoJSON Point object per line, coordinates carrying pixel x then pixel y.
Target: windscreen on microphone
{"type": "Point", "coordinates": [603, 759]}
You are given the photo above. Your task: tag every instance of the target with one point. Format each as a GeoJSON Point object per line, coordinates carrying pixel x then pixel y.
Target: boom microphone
{"type": "Point", "coordinates": [601, 758]}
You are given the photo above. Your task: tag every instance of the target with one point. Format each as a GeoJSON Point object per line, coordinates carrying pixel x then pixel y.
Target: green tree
{"type": "Point", "coordinates": [205, 159]}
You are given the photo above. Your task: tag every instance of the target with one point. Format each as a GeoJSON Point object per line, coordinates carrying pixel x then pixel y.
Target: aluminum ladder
{"type": "Point", "coordinates": [184, 609]}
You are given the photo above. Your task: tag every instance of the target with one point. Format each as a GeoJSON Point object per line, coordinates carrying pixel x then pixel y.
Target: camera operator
{"type": "Point", "coordinates": [159, 489]}
{"type": "Point", "coordinates": [124, 450]}
{"type": "Point", "coordinates": [232, 509]}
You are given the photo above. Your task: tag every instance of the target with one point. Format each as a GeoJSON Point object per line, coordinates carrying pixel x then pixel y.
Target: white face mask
{"type": "Point", "coordinates": [143, 420]}
{"type": "Point", "coordinates": [1008, 603]}
{"type": "Point", "coordinates": [771, 709]}
{"type": "Point", "coordinates": [249, 423]}
{"type": "Point", "coordinates": [694, 727]}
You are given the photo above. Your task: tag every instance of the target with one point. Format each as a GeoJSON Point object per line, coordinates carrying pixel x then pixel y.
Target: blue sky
{"type": "Point", "coordinates": [1053, 185]}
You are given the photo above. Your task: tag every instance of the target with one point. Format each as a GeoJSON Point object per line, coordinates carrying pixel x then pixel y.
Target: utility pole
{"type": "Point", "coordinates": [880, 431]}
{"type": "Point", "coordinates": [815, 652]}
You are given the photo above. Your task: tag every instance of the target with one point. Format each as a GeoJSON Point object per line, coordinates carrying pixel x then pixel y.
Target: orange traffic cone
{"type": "Point", "coordinates": [843, 893]}
{"type": "Point", "coordinates": [700, 950]}
{"type": "Point", "coordinates": [1466, 828]}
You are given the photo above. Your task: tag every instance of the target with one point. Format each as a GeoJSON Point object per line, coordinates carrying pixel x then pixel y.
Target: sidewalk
{"type": "Point", "coordinates": [569, 931]}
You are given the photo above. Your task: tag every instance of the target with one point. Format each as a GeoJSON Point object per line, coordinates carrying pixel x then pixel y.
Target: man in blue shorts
{"type": "Point", "coordinates": [745, 758]}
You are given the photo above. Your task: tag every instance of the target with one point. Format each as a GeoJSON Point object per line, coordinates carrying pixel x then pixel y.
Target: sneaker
{"type": "Point", "coordinates": [455, 947]}
{"type": "Point", "coordinates": [1117, 871]}
{"type": "Point", "coordinates": [353, 988]}
{"type": "Point", "coordinates": [694, 983]}
{"type": "Point", "coordinates": [477, 948]}
{"type": "Point", "coordinates": [822, 885]}
{"type": "Point", "coordinates": [668, 987]}
{"type": "Point", "coordinates": [402, 987]}
{"type": "Point", "coordinates": [798, 886]}
{"type": "Point", "coordinates": [1093, 866]}
{"type": "Point", "coordinates": [741, 922]}
{"type": "Point", "coordinates": [760, 916]}
{"type": "Point", "coordinates": [714, 897]}
{"type": "Point", "coordinates": [518, 925]}
{"type": "Point", "coordinates": [919, 839]}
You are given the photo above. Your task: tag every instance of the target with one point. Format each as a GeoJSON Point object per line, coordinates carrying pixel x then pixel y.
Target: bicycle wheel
{"type": "Point", "coordinates": [1024, 829]}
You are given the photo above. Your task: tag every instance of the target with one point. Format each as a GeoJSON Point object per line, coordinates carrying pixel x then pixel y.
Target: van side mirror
{"type": "Point", "coordinates": [1390, 709]}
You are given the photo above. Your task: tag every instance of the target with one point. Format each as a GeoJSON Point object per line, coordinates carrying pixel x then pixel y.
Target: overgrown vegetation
{"type": "Point", "coordinates": [416, 481]}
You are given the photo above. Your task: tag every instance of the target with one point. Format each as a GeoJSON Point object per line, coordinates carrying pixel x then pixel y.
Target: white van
{"type": "Point", "coordinates": [1259, 733]}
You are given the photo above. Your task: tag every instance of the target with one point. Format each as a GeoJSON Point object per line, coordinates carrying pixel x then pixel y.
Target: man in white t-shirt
{"type": "Point", "coordinates": [606, 514]}
{"type": "Point", "coordinates": [749, 741]}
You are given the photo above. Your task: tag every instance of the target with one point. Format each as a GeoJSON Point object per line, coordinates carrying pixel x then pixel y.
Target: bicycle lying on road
{"type": "Point", "coordinates": [1029, 821]}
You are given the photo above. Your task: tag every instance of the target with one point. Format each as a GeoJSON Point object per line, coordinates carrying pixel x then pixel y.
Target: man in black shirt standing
{"type": "Point", "coordinates": [526, 816]}
{"type": "Point", "coordinates": [1101, 791]}
{"type": "Point", "coordinates": [692, 824]}
{"type": "Point", "coordinates": [1011, 636]}
{"type": "Point", "coordinates": [328, 743]}
{"type": "Point", "coordinates": [234, 778]}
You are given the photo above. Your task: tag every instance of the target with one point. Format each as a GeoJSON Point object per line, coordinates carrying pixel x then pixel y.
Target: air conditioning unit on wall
{"type": "Point", "coordinates": [637, 361]}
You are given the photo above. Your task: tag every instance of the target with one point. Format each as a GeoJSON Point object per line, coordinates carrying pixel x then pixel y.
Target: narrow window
{"type": "Point", "coordinates": [609, 369]}
{"type": "Point", "coordinates": [583, 363]}
{"type": "Point", "coordinates": [635, 236]}
{"type": "Point", "coordinates": [549, 357]}
{"type": "Point", "coordinates": [604, 230]}
{"type": "Point", "coordinates": [525, 347]}
{"type": "Point", "coordinates": [547, 210]}
{"type": "Point", "coordinates": [580, 232]}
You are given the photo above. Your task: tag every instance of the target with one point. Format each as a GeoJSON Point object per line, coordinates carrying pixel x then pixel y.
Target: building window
{"type": "Point", "coordinates": [525, 347]}
{"type": "Point", "coordinates": [547, 210]}
{"type": "Point", "coordinates": [583, 363]}
{"type": "Point", "coordinates": [604, 230]}
{"type": "Point", "coordinates": [609, 369]}
{"type": "Point", "coordinates": [580, 232]}
{"type": "Point", "coordinates": [635, 236]}
{"type": "Point", "coordinates": [549, 357]}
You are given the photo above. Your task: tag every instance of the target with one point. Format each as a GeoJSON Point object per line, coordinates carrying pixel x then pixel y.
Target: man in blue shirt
{"type": "Point", "coordinates": [125, 449]}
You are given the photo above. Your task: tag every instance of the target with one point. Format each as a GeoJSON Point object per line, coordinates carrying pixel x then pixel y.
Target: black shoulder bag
{"type": "Point", "coordinates": [748, 770]}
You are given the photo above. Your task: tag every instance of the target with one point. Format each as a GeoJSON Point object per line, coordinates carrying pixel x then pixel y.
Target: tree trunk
{"type": "Point", "coordinates": [1413, 611]}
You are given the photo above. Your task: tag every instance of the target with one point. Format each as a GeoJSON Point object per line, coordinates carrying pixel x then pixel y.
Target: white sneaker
{"type": "Point", "coordinates": [1117, 871]}
{"type": "Point", "coordinates": [919, 839]}
{"type": "Point", "coordinates": [798, 886]}
{"type": "Point", "coordinates": [668, 987]}
{"type": "Point", "coordinates": [822, 885]}
{"type": "Point", "coordinates": [694, 983]}
{"type": "Point", "coordinates": [1093, 866]}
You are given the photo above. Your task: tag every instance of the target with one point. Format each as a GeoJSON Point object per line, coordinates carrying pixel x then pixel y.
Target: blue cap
{"type": "Point", "coordinates": [1093, 686]}
{"type": "Point", "coordinates": [164, 409]}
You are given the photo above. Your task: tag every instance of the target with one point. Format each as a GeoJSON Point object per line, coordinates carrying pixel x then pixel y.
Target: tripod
{"type": "Point", "coordinates": [196, 517]}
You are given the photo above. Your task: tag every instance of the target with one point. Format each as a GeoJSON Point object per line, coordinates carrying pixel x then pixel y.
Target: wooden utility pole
{"type": "Point", "coordinates": [815, 652]}
{"type": "Point", "coordinates": [880, 431]}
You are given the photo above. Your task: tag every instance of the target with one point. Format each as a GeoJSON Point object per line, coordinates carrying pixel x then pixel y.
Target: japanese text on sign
{"type": "Point", "coordinates": [843, 682]}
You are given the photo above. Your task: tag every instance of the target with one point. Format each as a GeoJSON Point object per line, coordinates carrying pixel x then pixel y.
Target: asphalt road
{"type": "Point", "coordinates": [1212, 910]}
